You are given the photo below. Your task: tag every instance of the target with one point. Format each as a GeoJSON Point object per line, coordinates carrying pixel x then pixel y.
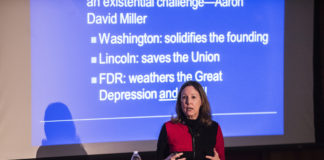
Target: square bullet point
{"type": "Point", "coordinates": [93, 80]}
{"type": "Point", "coordinates": [93, 39]}
{"type": "Point", "coordinates": [93, 59]}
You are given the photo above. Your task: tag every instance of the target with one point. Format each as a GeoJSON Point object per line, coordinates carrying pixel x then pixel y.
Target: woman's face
{"type": "Point", "coordinates": [190, 102]}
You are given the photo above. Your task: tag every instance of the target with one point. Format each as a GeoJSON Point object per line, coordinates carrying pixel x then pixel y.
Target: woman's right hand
{"type": "Point", "coordinates": [174, 156]}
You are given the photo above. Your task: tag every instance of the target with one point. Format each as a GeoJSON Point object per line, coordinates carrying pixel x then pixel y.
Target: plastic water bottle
{"type": "Point", "coordinates": [136, 156]}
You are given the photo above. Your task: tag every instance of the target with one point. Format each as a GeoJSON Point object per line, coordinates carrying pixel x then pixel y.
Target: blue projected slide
{"type": "Point", "coordinates": [109, 71]}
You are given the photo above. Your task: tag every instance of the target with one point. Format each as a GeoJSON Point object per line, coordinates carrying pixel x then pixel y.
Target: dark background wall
{"type": "Point", "coordinates": [283, 152]}
{"type": "Point", "coordinates": [319, 70]}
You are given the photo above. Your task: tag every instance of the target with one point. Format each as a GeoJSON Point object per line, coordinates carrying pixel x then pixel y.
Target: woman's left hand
{"type": "Point", "coordinates": [216, 157]}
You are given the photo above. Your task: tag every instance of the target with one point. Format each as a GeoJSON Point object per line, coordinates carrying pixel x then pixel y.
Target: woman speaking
{"type": "Point", "coordinates": [192, 134]}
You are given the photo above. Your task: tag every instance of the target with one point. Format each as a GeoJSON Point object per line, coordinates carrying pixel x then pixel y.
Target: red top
{"type": "Point", "coordinates": [180, 140]}
{"type": "Point", "coordinates": [220, 144]}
